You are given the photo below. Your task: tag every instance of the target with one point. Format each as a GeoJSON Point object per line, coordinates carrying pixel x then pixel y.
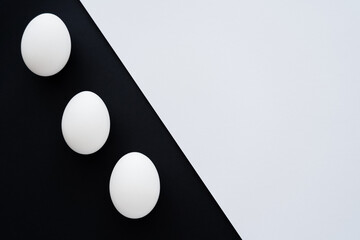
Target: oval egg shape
{"type": "Point", "coordinates": [134, 185]}
{"type": "Point", "coordinates": [85, 123]}
{"type": "Point", "coordinates": [46, 45]}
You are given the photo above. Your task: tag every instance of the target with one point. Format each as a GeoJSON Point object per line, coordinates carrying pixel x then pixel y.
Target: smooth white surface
{"type": "Point", "coordinates": [46, 45]}
{"type": "Point", "coordinates": [85, 123]}
{"type": "Point", "coordinates": [134, 185]}
{"type": "Point", "coordinates": [262, 96]}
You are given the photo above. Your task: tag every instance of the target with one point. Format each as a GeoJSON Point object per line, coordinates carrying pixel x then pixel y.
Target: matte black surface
{"type": "Point", "coordinates": [50, 192]}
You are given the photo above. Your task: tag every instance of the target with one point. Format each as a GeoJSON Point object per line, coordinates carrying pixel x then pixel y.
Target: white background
{"type": "Point", "coordinates": [262, 96]}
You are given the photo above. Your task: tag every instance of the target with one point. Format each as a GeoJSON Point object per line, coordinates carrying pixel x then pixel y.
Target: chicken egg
{"type": "Point", "coordinates": [134, 185]}
{"type": "Point", "coordinates": [46, 45]}
{"type": "Point", "coordinates": [85, 123]}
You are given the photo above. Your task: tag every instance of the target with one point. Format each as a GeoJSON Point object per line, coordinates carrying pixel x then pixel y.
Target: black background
{"type": "Point", "coordinates": [50, 192]}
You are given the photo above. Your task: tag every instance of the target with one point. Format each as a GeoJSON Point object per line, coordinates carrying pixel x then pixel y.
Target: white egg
{"type": "Point", "coordinates": [85, 123]}
{"type": "Point", "coordinates": [46, 45]}
{"type": "Point", "coordinates": [134, 185]}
